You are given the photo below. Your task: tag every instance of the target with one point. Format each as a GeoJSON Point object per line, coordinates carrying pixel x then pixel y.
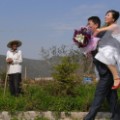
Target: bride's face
{"type": "Point", "coordinates": [109, 18]}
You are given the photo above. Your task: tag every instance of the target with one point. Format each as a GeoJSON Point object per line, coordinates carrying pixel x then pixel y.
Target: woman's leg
{"type": "Point", "coordinates": [115, 74]}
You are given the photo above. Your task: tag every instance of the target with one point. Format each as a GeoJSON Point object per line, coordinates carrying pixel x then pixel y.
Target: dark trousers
{"type": "Point", "coordinates": [15, 84]}
{"type": "Point", "coordinates": [103, 90]}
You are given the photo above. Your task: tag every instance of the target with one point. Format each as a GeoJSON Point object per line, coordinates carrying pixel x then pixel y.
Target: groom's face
{"type": "Point", "coordinates": [92, 25]}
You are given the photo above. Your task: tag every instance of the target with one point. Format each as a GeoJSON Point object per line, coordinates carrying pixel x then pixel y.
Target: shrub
{"type": "Point", "coordinates": [65, 74]}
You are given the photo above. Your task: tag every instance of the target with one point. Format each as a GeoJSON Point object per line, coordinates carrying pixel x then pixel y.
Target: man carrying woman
{"type": "Point", "coordinates": [103, 89]}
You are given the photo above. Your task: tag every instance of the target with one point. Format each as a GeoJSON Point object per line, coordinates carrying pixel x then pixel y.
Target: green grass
{"type": "Point", "coordinates": [43, 97]}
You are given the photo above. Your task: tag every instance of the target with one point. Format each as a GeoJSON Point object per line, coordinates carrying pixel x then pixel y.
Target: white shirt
{"type": "Point", "coordinates": [16, 66]}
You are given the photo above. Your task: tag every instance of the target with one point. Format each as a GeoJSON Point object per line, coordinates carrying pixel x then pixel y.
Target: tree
{"type": "Point", "coordinates": [65, 74]}
{"type": "Point", "coordinates": [54, 55]}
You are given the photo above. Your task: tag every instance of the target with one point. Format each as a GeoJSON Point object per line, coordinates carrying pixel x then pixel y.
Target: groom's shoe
{"type": "Point", "coordinates": [89, 117]}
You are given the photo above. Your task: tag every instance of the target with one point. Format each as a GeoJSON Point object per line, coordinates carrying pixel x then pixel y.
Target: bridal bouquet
{"type": "Point", "coordinates": [84, 40]}
{"type": "Point", "coordinates": [82, 36]}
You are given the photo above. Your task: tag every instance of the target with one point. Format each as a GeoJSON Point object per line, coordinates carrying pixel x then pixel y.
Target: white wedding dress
{"type": "Point", "coordinates": [109, 49]}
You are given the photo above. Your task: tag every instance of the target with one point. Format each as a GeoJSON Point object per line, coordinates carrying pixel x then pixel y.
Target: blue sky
{"type": "Point", "coordinates": [45, 23]}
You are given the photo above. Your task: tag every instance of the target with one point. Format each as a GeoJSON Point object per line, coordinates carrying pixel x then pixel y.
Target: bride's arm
{"type": "Point", "coordinates": [108, 28]}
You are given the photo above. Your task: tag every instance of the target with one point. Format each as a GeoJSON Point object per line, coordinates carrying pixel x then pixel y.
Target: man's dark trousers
{"type": "Point", "coordinates": [15, 83]}
{"type": "Point", "coordinates": [103, 90]}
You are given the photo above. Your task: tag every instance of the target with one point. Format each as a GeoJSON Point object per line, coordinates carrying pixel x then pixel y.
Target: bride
{"type": "Point", "coordinates": [109, 45]}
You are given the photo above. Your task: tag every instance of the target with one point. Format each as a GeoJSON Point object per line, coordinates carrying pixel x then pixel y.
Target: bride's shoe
{"type": "Point", "coordinates": [117, 86]}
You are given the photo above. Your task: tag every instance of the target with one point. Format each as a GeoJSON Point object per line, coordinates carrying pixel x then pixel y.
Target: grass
{"type": "Point", "coordinates": [44, 96]}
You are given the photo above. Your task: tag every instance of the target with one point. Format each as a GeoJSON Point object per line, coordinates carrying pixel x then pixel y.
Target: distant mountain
{"type": "Point", "coordinates": [34, 68]}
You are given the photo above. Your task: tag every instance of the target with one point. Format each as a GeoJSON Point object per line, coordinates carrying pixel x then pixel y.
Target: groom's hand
{"type": "Point", "coordinates": [88, 55]}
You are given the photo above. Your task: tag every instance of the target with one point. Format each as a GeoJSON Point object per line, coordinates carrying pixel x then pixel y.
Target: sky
{"type": "Point", "coordinates": [46, 23]}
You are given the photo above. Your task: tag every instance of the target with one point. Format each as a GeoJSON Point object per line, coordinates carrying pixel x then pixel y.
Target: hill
{"type": "Point", "coordinates": [34, 68]}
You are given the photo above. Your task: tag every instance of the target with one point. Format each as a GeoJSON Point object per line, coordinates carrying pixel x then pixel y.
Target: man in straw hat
{"type": "Point", "coordinates": [14, 60]}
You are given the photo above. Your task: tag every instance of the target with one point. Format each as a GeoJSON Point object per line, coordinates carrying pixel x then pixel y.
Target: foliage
{"type": "Point", "coordinates": [65, 74]}
{"type": "Point", "coordinates": [53, 57]}
{"type": "Point", "coordinates": [42, 97]}
{"type": "Point", "coordinates": [2, 75]}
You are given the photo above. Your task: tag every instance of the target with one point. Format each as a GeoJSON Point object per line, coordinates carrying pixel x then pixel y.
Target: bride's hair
{"type": "Point", "coordinates": [115, 14]}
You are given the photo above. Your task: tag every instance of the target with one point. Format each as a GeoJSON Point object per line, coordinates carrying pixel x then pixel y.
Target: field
{"type": "Point", "coordinates": [50, 95]}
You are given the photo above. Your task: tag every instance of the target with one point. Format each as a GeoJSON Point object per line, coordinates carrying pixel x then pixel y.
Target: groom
{"type": "Point", "coordinates": [103, 89]}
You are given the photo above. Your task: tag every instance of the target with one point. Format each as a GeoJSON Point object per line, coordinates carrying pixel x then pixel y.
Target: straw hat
{"type": "Point", "coordinates": [17, 42]}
